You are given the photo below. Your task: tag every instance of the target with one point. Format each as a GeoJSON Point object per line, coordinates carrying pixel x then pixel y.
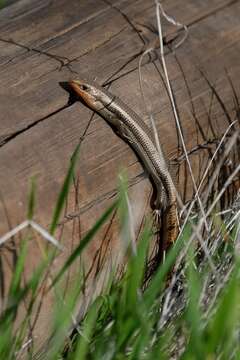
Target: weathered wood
{"type": "Point", "coordinates": [43, 43]}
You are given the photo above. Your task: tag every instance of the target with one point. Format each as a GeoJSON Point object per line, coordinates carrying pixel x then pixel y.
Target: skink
{"type": "Point", "coordinates": [132, 129]}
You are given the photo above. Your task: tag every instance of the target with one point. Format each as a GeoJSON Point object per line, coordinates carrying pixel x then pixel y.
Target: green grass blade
{"type": "Point", "coordinates": [222, 326]}
{"type": "Point", "coordinates": [22, 292]}
{"type": "Point", "coordinates": [18, 271]}
{"type": "Point", "coordinates": [124, 215]}
{"type": "Point", "coordinates": [2, 3]}
{"type": "Point", "coordinates": [87, 331]}
{"type": "Point", "coordinates": [31, 199]}
{"type": "Point", "coordinates": [136, 268]}
{"type": "Point", "coordinates": [64, 311]}
{"type": "Point", "coordinates": [193, 313]}
{"type": "Point", "coordinates": [64, 191]}
{"type": "Point", "coordinates": [157, 282]}
{"type": "Point", "coordinates": [84, 242]}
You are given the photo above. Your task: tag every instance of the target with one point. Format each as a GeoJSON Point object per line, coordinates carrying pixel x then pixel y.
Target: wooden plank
{"type": "Point", "coordinates": [28, 71]}
{"type": "Point", "coordinates": [91, 166]}
{"type": "Point", "coordinates": [51, 79]}
{"type": "Point", "coordinates": [38, 132]}
{"type": "Point", "coordinates": [28, 21]}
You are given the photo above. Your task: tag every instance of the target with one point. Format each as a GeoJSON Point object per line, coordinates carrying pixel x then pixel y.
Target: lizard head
{"type": "Point", "coordinates": [91, 94]}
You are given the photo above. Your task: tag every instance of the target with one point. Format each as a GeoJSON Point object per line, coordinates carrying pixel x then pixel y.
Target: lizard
{"type": "Point", "coordinates": [133, 130]}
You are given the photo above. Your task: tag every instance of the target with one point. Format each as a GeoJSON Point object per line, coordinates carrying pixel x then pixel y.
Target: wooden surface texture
{"type": "Point", "coordinates": [46, 42]}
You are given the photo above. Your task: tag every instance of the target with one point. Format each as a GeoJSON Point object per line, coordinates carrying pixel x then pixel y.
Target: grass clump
{"type": "Point", "coordinates": [189, 308]}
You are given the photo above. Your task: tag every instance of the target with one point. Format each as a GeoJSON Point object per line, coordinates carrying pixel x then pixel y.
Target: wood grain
{"type": "Point", "coordinates": [44, 43]}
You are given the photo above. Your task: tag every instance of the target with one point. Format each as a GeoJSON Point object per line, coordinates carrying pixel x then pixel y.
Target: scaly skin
{"type": "Point", "coordinates": [132, 129]}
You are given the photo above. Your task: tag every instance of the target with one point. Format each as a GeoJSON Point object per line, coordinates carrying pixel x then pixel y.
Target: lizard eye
{"type": "Point", "coordinates": [83, 87]}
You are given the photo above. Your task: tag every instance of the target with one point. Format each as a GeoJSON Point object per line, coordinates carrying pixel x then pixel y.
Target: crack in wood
{"type": "Point", "coordinates": [66, 62]}
{"type": "Point", "coordinates": [204, 146]}
{"type": "Point", "coordinates": [95, 47]}
{"type": "Point", "coordinates": [218, 97]}
{"type": "Point", "coordinates": [211, 12]}
{"type": "Point", "coordinates": [63, 60]}
{"type": "Point", "coordinates": [104, 197]}
{"type": "Point", "coordinates": [4, 139]}
{"type": "Point", "coordinates": [12, 59]}
{"type": "Point", "coordinates": [189, 24]}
